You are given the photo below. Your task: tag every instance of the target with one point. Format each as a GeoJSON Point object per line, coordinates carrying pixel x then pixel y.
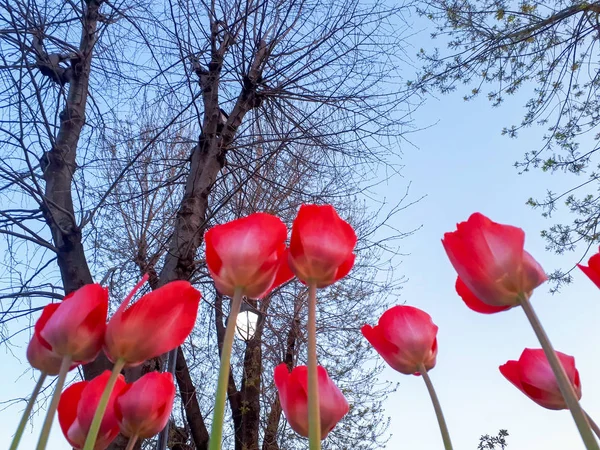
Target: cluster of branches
{"type": "Point", "coordinates": [549, 53]}
{"type": "Point", "coordinates": [129, 128]}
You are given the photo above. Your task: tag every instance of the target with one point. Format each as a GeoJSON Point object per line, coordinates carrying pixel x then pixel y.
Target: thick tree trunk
{"type": "Point", "coordinates": [190, 403]}
{"type": "Point", "coordinates": [58, 166]}
{"type": "Point", "coordinates": [208, 158]}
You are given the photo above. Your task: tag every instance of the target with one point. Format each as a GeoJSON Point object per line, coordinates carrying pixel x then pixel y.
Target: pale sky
{"type": "Point", "coordinates": [463, 165]}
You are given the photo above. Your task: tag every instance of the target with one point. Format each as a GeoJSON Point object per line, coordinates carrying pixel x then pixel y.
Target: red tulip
{"type": "Point", "coordinates": [491, 262]}
{"type": "Point", "coordinates": [247, 253]}
{"type": "Point", "coordinates": [405, 337]}
{"type": "Point", "coordinates": [592, 270]}
{"type": "Point", "coordinates": [321, 245]}
{"type": "Point", "coordinates": [293, 395]}
{"type": "Point", "coordinates": [75, 327]}
{"type": "Point", "coordinates": [533, 375]}
{"type": "Point", "coordinates": [157, 323]}
{"type": "Point", "coordinates": [143, 407]}
{"type": "Point", "coordinates": [76, 410]}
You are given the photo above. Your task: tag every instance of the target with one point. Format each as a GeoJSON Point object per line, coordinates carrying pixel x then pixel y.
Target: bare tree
{"type": "Point", "coordinates": [247, 106]}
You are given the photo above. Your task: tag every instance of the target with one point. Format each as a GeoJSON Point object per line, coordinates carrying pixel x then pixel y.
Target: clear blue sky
{"type": "Point", "coordinates": [462, 165]}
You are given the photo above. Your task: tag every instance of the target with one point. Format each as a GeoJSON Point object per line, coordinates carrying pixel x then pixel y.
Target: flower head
{"type": "Point", "coordinates": [75, 327]}
{"type": "Point", "coordinates": [143, 407]}
{"type": "Point", "coordinates": [321, 246]}
{"type": "Point", "coordinates": [405, 337]}
{"type": "Point", "coordinates": [533, 376]}
{"type": "Point", "coordinates": [248, 254]}
{"type": "Point", "coordinates": [76, 410]}
{"type": "Point", "coordinates": [491, 262]}
{"type": "Point", "coordinates": [293, 394]}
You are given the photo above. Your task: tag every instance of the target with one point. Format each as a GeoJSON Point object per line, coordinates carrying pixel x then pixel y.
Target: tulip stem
{"type": "Point", "coordinates": [27, 412]}
{"type": "Point", "coordinates": [216, 432]}
{"type": "Point", "coordinates": [65, 365]}
{"type": "Point", "coordinates": [593, 424]}
{"type": "Point", "coordinates": [90, 440]}
{"type": "Point", "coordinates": [566, 388]}
{"type": "Point", "coordinates": [437, 407]}
{"type": "Point", "coordinates": [314, 419]}
{"type": "Point", "coordinates": [132, 440]}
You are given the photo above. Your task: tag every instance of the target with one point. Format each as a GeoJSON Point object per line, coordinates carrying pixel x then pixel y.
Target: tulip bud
{"type": "Point", "coordinates": [405, 337]}
{"type": "Point", "coordinates": [76, 410]}
{"type": "Point", "coordinates": [321, 245]}
{"type": "Point", "coordinates": [248, 254]}
{"type": "Point", "coordinates": [533, 376]}
{"type": "Point", "coordinates": [75, 327]}
{"type": "Point", "coordinates": [157, 323]}
{"type": "Point", "coordinates": [143, 407]}
{"type": "Point", "coordinates": [293, 394]}
{"type": "Point", "coordinates": [491, 262]}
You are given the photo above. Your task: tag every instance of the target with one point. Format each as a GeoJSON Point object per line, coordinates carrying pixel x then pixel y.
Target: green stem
{"type": "Point", "coordinates": [437, 407]}
{"type": "Point", "coordinates": [593, 424]}
{"type": "Point", "coordinates": [314, 419]}
{"type": "Point", "coordinates": [27, 412]}
{"type": "Point", "coordinates": [216, 432]}
{"type": "Point", "coordinates": [90, 440]}
{"type": "Point", "coordinates": [566, 388]}
{"type": "Point", "coordinates": [132, 440]}
{"type": "Point", "coordinates": [65, 365]}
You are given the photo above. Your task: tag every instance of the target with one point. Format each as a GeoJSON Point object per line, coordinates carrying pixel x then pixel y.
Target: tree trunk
{"type": "Point", "coordinates": [270, 438]}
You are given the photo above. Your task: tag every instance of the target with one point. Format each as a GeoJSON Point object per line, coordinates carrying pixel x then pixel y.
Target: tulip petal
{"type": "Point", "coordinates": [512, 373]}
{"type": "Point", "coordinates": [345, 268]}
{"type": "Point", "coordinates": [332, 403]}
{"type": "Point", "coordinates": [91, 396]}
{"type": "Point", "coordinates": [384, 347]}
{"type": "Point", "coordinates": [47, 312]}
{"type": "Point", "coordinates": [533, 273]}
{"type": "Point", "coordinates": [473, 302]}
{"type": "Point", "coordinates": [591, 274]}
{"type": "Point", "coordinates": [284, 273]}
{"type": "Point", "coordinates": [67, 408]}
{"type": "Point", "coordinates": [157, 323]}
{"type": "Point", "coordinates": [41, 358]}
{"type": "Point", "coordinates": [592, 270]}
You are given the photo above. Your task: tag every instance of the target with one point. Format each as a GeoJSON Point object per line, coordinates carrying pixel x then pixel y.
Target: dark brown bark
{"type": "Point", "coordinates": [190, 403]}
{"type": "Point", "coordinates": [58, 166]}
{"type": "Point", "coordinates": [270, 438]}
{"type": "Point", "coordinates": [208, 158]}
{"type": "Point", "coordinates": [246, 435]}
